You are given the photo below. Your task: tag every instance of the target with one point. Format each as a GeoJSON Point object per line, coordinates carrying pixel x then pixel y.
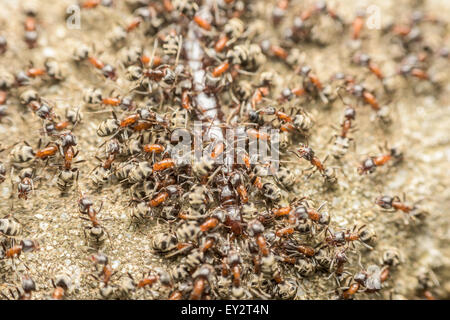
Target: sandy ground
{"type": "Point", "coordinates": [420, 129]}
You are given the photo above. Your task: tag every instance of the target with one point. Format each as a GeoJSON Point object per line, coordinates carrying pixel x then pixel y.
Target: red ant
{"type": "Point", "coordinates": [24, 246]}
{"type": "Point", "coordinates": [287, 94]}
{"type": "Point", "coordinates": [311, 83]}
{"type": "Point", "coordinates": [370, 164]}
{"type": "Point", "coordinates": [221, 43]}
{"type": "Point", "coordinates": [371, 280]}
{"type": "Point", "coordinates": [61, 286]}
{"type": "Point", "coordinates": [164, 195]}
{"type": "Point", "coordinates": [258, 134]}
{"type": "Point", "coordinates": [258, 96]}
{"type": "Point", "coordinates": [31, 34]}
{"type": "Point", "coordinates": [256, 229]}
{"type": "Point", "coordinates": [186, 100]}
{"type": "Point", "coordinates": [358, 24]}
{"type": "Point", "coordinates": [274, 50]}
{"type": "Point", "coordinates": [35, 72]}
{"type": "Point", "coordinates": [220, 69]}
{"type": "Point", "coordinates": [146, 280]}
{"type": "Point", "coordinates": [304, 250]}
{"type": "Point", "coordinates": [28, 286]}
{"type": "Point", "coordinates": [308, 154]}
{"type": "Point", "coordinates": [3, 97]}
{"type": "Point", "coordinates": [85, 206]}
{"type": "Point", "coordinates": [212, 222]}
{"type": "Point", "coordinates": [395, 204]}
{"type": "Point", "coordinates": [202, 277]}
{"type": "Point", "coordinates": [368, 97]}
{"type": "Point", "coordinates": [416, 72]}
{"type": "Point", "coordinates": [279, 11]}
{"type": "Point", "coordinates": [42, 110]}
{"type": "Point", "coordinates": [366, 61]}
{"type": "Point", "coordinates": [90, 4]}
{"type": "Point", "coordinates": [340, 238]}
{"type": "Point", "coordinates": [26, 184]}
{"type": "Point", "coordinates": [107, 70]}
{"type": "Point", "coordinates": [106, 270]}
{"type": "Point", "coordinates": [53, 126]}
{"type": "Point", "coordinates": [68, 141]}
{"type": "Point", "coordinates": [339, 259]}
{"type": "Point", "coordinates": [112, 150]}
{"type": "Point", "coordinates": [202, 23]}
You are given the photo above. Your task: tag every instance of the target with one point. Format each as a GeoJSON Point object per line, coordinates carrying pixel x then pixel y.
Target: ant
{"type": "Point", "coordinates": [28, 286]}
{"type": "Point", "coordinates": [396, 204]}
{"type": "Point", "coordinates": [287, 94]}
{"type": "Point", "coordinates": [106, 270]}
{"type": "Point", "coordinates": [339, 260]}
{"type": "Point", "coordinates": [124, 103]}
{"type": "Point", "coordinates": [107, 70]}
{"type": "Point", "coordinates": [371, 280]}
{"type": "Point", "coordinates": [308, 154]}
{"type": "Point", "coordinates": [221, 44]}
{"type": "Point", "coordinates": [212, 222]}
{"type": "Point", "coordinates": [3, 97]}
{"type": "Point", "coordinates": [68, 141]}
{"type": "Point", "coordinates": [311, 82]}
{"type": "Point", "coordinates": [85, 206]}
{"type": "Point", "coordinates": [48, 151]}
{"type": "Point", "coordinates": [365, 60]}
{"type": "Point", "coordinates": [258, 95]}
{"type": "Point", "coordinates": [90, 4]}
{"type": "Point", "coordinates": [346, 125]}
{"type": "Point", "coordinates": [370, 164]}
{"type": "Point", "coordinates": [408, 69]}
{"type": "Point", "coordinates": [142, 120]}
{"type": "Point", "coordinates": [274, 50]}
{"type": "Point", "coordinates": [112, 150]}
{"type": "Point", "coordinates": [52, 126]}
{"type": "Point", "coordinates": [26, 184]}
{"type": "Point", "coordinates": [357, 25]}
{"type": "Point", "coordinates": [300, 210]}
{"type": "Point", "coordinates": [320, 7]}
{"type": "Point", "coordinates": [341, 140]}
{"type": "Point", "coordinates": [202, 23]}
{"type": "Point", "coordinates": [42, 110]}
{"type": "Point", "coordinates": [164, 195]}
{"type": "Point", "coordinates": [25, 245]}
{"type": "Point", "coordinates": [30, 26]}
{"type": "Point", "coordinates": [164, 164]}
{"type": "Point", "coordinates": [148, 280]}
{"type": "Point", "coordinates": [279, 11]}
{"type": "Point", "coordinates": [61, 285]}
{"type": "Point", "coordinates": [340, 238]}
{"type": "Point", "coordinates": [202, 277]}
{"type": "Point", "coordinates": [368, 97]}
{"type": "Point", "coordinates": [295, 249]}
{"type": "Point", "coordinates": [256, 229]}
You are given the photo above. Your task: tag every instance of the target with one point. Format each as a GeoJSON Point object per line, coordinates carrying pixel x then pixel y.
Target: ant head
{"type": "Point", "coordinates": [68, 139]}
{"type": "Point", "coordinates": [28, 284]}
{"type": "Point", "coordinates": [350, 113]}
{"type": "Point", "coordinates": [384, 201]}
{"type": "Point", "coordinates": [305, 70]}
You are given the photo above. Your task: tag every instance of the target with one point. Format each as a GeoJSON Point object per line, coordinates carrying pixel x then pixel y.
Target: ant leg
{"type": "Point", "coordinates": [100, 209]}
{"type": "Point", "coordinates": [321, 206]}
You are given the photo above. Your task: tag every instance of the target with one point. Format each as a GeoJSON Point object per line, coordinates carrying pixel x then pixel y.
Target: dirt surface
{"type": "Point", "coordinates": [420, 115]}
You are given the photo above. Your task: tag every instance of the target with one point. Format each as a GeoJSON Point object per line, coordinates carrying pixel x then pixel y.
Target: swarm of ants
{"type": "Point", "coordinates": [233, 226]}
